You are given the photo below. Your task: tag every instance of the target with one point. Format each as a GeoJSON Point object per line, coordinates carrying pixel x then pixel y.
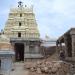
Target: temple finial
{"type": "Point", "coordinates": [20, 4]}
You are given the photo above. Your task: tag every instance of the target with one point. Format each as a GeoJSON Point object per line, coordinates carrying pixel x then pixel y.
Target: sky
{"type": "Point", "coordinates": [54, 17]}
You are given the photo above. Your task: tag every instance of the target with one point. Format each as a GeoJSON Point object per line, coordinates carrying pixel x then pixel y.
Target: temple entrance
{"type": "Point", "coordinates": [19, 51]}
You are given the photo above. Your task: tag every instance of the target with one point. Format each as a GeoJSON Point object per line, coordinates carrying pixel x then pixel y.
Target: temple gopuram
{"type": "Point", "coordinates": [21, 28]}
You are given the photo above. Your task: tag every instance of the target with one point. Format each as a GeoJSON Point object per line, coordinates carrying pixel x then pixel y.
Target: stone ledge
{"type": "Point", "coordinates": [33, 56]}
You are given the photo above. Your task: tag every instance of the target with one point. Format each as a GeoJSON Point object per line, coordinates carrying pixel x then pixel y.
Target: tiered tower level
{"type": "Point", "coordinates": [21, 23]}
{"type": "Point", "coordinates": [22, 31]}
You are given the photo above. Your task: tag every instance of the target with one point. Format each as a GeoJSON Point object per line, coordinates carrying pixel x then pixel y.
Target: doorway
{"type": "Point", "coordinates": [19, 51]}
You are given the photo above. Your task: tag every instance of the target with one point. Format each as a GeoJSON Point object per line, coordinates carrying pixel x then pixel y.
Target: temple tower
{"type": "Point", "coordinates": [21, 29]}
{"type": "Point", "coordinates": [21, 23]}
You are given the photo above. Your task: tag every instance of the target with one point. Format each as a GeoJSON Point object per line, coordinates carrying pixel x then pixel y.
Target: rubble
{"type": "Point", "coordinates": [48, 67]}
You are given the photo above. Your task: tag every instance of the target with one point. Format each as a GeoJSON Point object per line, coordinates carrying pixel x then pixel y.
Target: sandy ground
{"type": "Point", "coordinates": [19, 69]}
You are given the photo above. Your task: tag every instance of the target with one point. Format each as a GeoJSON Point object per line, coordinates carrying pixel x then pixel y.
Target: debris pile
{"type": "Point", "coordinates": [47, 67]}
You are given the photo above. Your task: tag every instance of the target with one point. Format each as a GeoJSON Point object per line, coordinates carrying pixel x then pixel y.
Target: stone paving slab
{"type": "Point", "coordinates": [19, 69]}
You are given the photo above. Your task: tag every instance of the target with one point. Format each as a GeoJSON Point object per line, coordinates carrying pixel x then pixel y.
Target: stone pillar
{"type": "Point", "coordinates": [26, 51]}
{"type": "Point", "coordinates": [60, 47]}
{"type": "Point", "coordinates": [57, 49]}
{"type": "Point", "coordinates": [37, 49]}
{"type": "Point", "coordinates": [73, 45]}
{"type": "Point", "coordinates": [26, 48]}
{"type": "Point", "coordinates": [66, 48]}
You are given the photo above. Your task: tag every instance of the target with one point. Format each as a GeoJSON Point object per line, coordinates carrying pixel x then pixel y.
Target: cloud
{"type": "Point", "coordinates": [59, 16]}
{"type": "Point", "coordinates": [54, 17]}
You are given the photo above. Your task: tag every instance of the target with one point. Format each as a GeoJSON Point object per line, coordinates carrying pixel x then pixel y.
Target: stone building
{"type": "Point", "coordinates": [21, 29]}
{"type": "Point", "coordinates": [68, 39]}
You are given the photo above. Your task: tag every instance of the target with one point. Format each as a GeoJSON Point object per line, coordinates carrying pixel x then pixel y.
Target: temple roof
{"type": "Point", "coordinates": [22, 8]}
{"type": "Point", "coordinates": [66, 34]}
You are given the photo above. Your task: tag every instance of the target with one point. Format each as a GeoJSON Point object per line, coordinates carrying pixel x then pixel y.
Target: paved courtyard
{"type": "Point", "coordinates": [19, 69]}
